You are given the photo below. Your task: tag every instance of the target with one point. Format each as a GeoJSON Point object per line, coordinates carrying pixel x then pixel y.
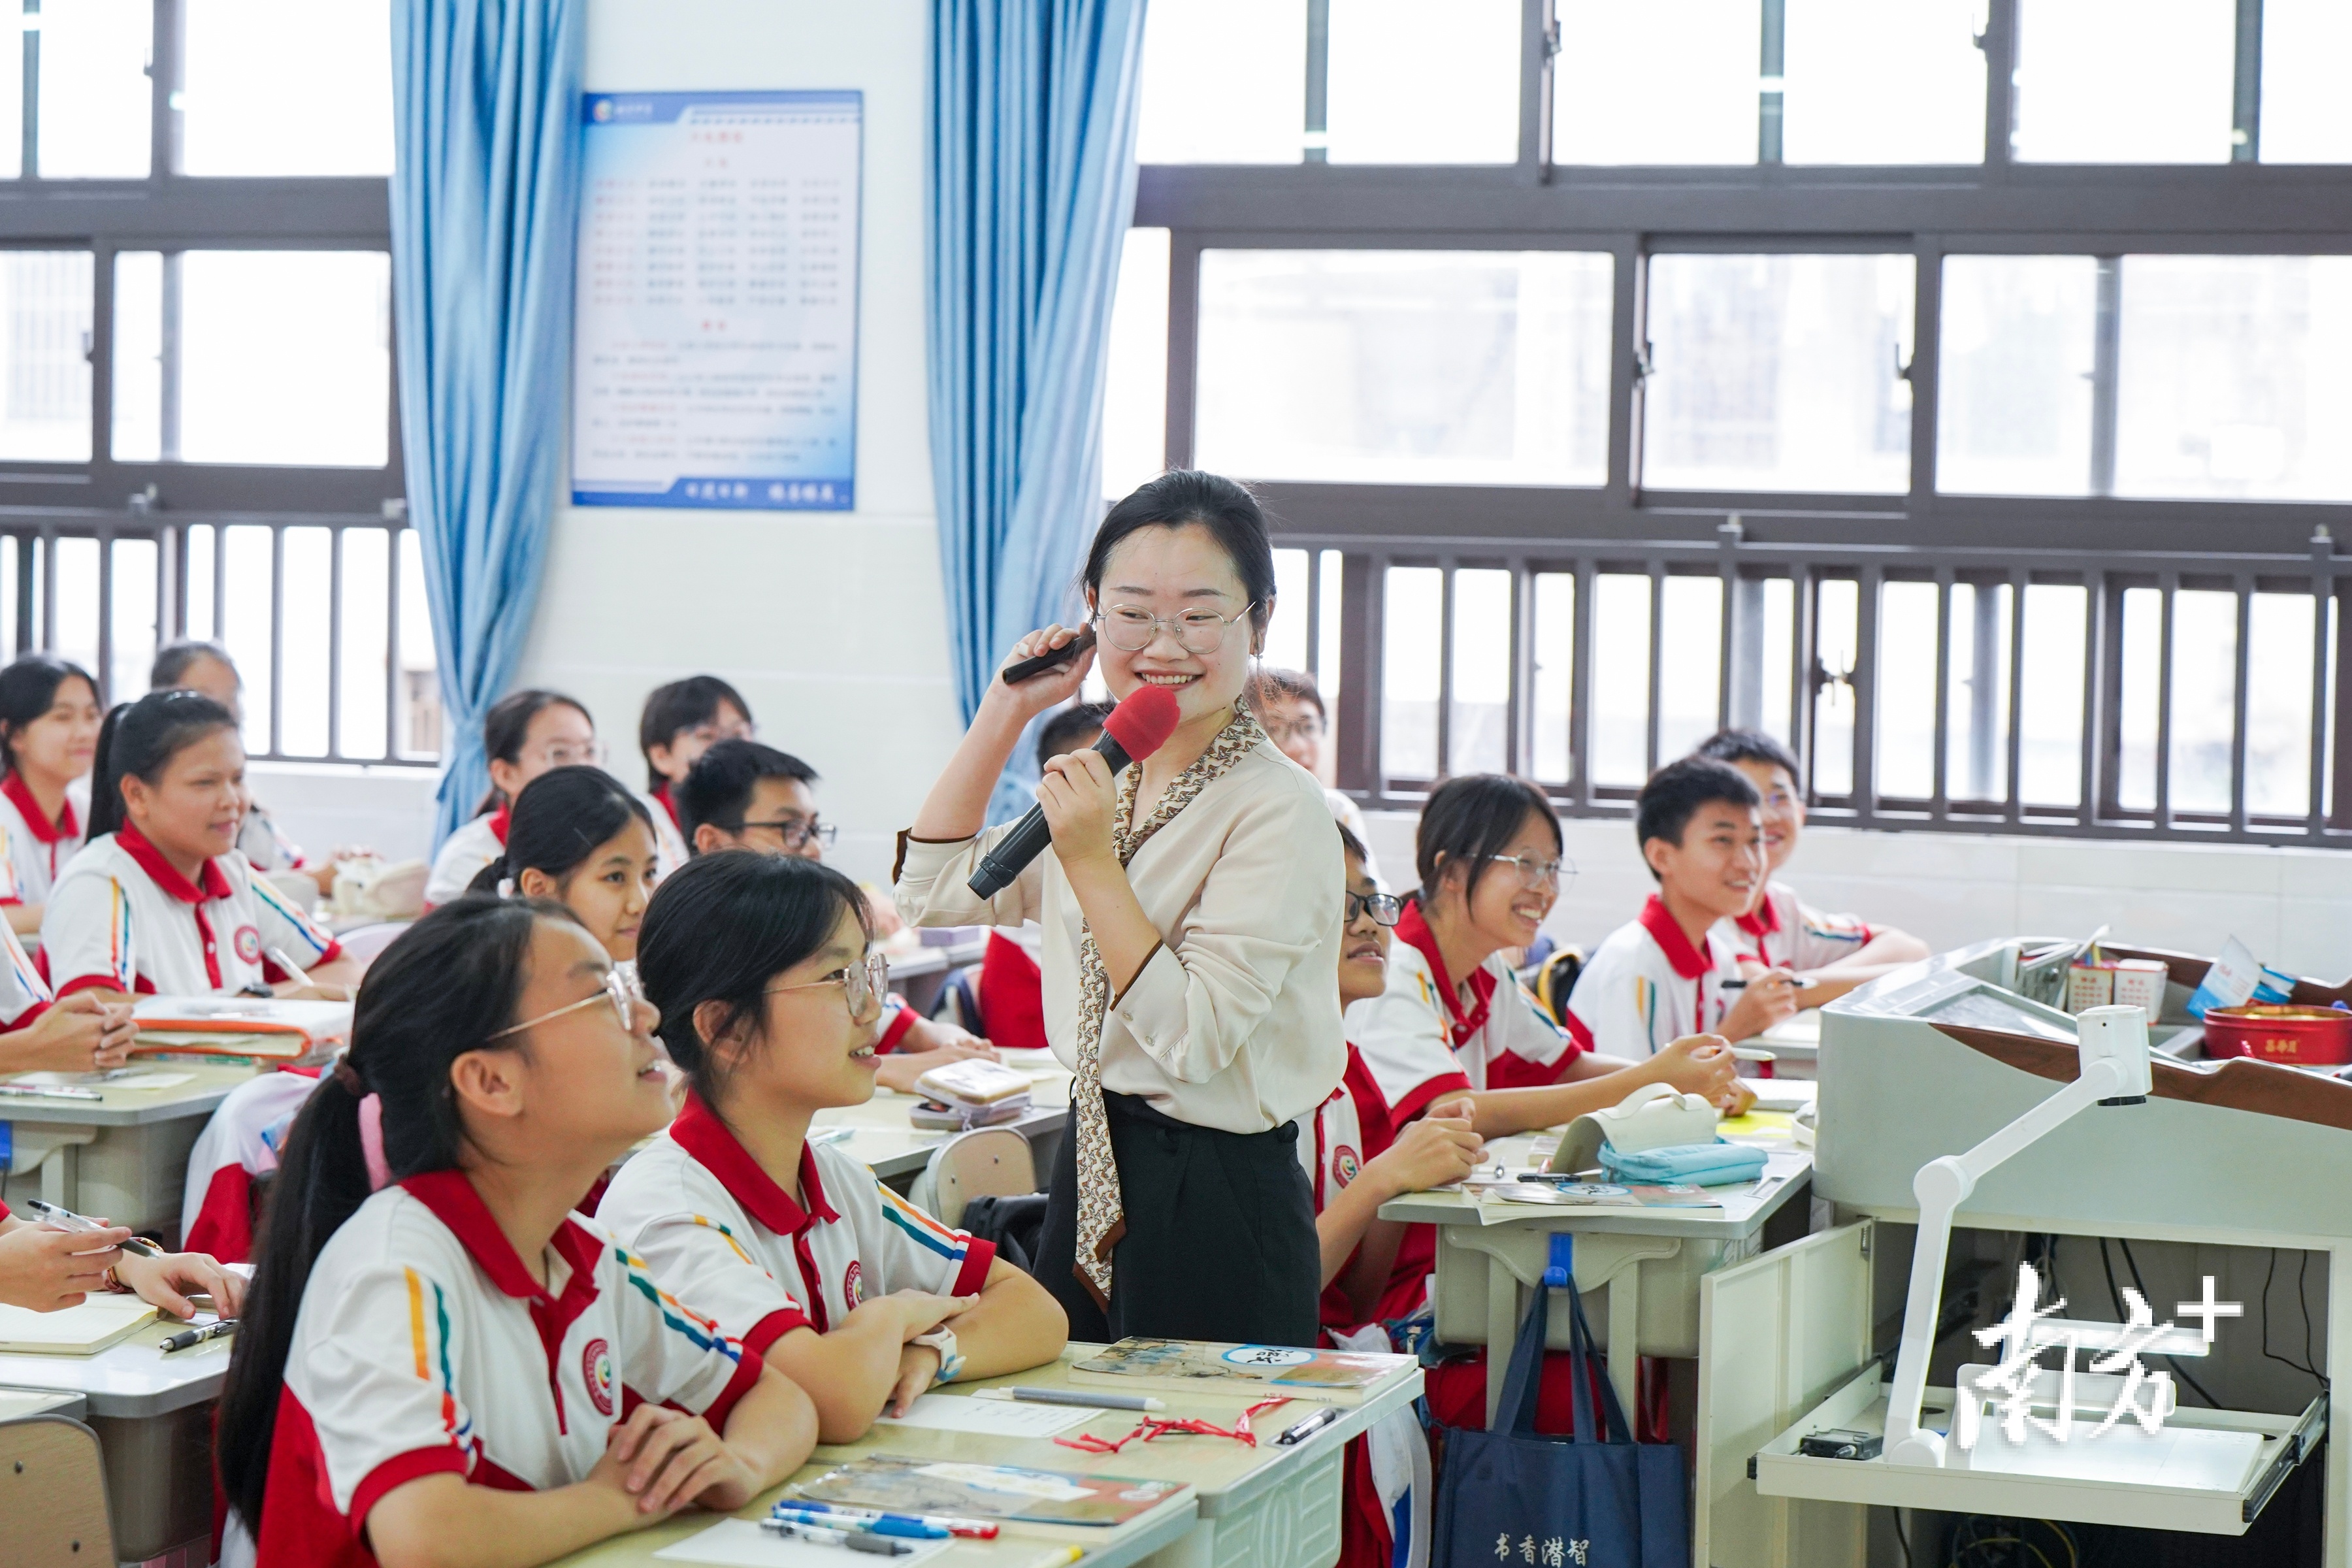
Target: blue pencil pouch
{"type": "Point", "coordinates": [1712, 1164]}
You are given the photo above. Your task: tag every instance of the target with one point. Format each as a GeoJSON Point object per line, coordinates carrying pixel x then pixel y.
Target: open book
{"type": "Point", "coordinates": [98, 1322]}
{"type": "Point", "coordinates": [1334, 1377]}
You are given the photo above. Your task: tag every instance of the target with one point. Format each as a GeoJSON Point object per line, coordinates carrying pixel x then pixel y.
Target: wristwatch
{"type": "Point", "coordinates": [942, 1339]}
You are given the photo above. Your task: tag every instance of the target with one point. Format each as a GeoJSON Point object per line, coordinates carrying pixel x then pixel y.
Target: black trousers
{"type": "Point", "coordinates": [1220, 1241]}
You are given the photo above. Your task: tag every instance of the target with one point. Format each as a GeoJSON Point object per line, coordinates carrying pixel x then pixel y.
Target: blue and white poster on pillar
{"type": "Point", "coordinates": [715, 326]}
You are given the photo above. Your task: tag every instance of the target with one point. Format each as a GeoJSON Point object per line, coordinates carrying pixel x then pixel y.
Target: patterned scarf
{"type": "Point", "coordinates": [1102, 1217]}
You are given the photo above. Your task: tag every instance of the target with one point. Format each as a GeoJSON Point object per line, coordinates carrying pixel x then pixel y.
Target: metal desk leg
{"type": "Point", "coordinates": [1624, 1340]}
{"type": "Point", "coordinates": [2339, 1526]}
{"type": "Point", "coordinates": [1503, 1329]}
{"type": "Point", "coordinates": [60, 1174]}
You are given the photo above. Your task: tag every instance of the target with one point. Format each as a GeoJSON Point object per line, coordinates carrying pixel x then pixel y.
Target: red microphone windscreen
{"type": "Point", "coordinates": [1142, 723]}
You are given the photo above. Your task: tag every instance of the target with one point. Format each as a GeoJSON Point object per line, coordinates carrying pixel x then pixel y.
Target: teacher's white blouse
{"type": "Point", "coordinates": [1233, 1022]}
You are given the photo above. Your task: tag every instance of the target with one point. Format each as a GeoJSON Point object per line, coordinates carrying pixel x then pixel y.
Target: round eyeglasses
{"type": "Point", "coordinates": [1132, 630]}
{"type": "Point", "coordinates": [620, 988]}
{"type": "Point", "coordinates": [1385, 908]}
{"type": "Point", "coordinates": [860, 982]}
{"type": "Point", "coordinates": [1534, 874]}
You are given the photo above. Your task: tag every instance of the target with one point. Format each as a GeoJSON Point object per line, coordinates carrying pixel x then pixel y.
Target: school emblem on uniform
{"type": "Point", "coordinates": [247, 941]}
{"type": "Point", "coordinates": [852, 1283]}
{"type": "Point", "coordinates": [1345, 1164]}
{"type": "Point", "coordinates": [596, 1371]}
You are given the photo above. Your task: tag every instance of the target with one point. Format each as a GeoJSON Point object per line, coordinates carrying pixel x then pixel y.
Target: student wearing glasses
{"type": "Point", "coordinates": [770, 994]}
{"type": "Point", "coordinates": [680, 722]}
{"type": "Point", "coordinates": [1191, 913]}
{"type": "Point", "coordinates": [741, 795]}
{"type": "Point", "coordinates": [525, 734]}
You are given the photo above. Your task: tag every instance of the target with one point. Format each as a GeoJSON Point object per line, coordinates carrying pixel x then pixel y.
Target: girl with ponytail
{"type": "Point", "coordinates": [436, 1355]}
{"type": "Point", "coordinates": [583, 837]}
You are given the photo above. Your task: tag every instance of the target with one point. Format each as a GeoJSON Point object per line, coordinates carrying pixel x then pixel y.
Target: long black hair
{"type": "Point", "coordinates": [140, 738]}
{"type": "Point", "coordinates": [559, 819]}
{"type": "Point", "coordinates": [27, 689]}
{"type": "Point", "coordinates": [442, 989]}
{"type": "Point", "coordinates": [682, 705]}
{"type": "Point", "coordinates": [1470, 820]}
{"type": "Point", "coordinates": [719, 929]}
{"type": "Point", "coordinates": [1225, 508]}
{"type": "Point", "coordinates": [508, 724]}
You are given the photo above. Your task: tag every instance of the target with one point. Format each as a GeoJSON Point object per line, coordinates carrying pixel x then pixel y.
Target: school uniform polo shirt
{"type": "Point", "coordinates": [1647, 987]}
{"type": "Point", "coordinates": [464, 854]}
{"type": "Point", "coordinates": [1346, 1132]}
{"type": "Point", "coordinates": [423, 1346]}
{"type": "Point", "coordinates": [24, 994]}
{"type": "Point", "coordinates": [1421, 1041]}
{"type": "Point", "coordinates": [38, 846]}
{"type": "Point", "coordinates": [1782, 931]}
{"type": "Point", "coordinates": [719, 1230]}
{"type": "Point", "coordinates": [122, 918]}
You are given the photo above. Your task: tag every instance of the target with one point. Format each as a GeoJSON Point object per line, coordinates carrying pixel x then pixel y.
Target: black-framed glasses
{"type": "Point", "coordinates": [796, 831]}
{"type": "Point", "coordinates": [620, 988]}
{"type": "Point", "coordinates": [1131, 629]}
{"type": "Point", "coordinates": [860, 982]}
{"type": "Point", "coordinates": [1385, 908]}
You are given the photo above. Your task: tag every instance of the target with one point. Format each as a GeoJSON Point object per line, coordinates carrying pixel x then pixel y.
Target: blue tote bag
{"type": "Point", "coordinates": [1515, 1496]}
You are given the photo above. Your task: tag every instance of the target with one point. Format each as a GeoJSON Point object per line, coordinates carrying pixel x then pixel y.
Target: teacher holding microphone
{"type": "Point", "coordinates": [1192, 910]}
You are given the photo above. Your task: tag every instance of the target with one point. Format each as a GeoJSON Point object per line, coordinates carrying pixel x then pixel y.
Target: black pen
{"type": "Point", "coordinates": [65, 1219]}
{"type": "Point", "coordinates": [1308, 1427]}
{"type": "Point", "coordinates": [187, 1338]}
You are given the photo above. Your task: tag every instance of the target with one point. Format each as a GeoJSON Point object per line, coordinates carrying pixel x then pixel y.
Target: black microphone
{"type": "Point", "coordinates": [1131, 731]}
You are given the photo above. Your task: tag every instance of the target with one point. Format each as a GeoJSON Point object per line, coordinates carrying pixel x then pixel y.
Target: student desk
{"type": "Point", "coordinates": [1268, 1505]}
{"type": "Point", "coordinates": [22, 1404]}
{"type": "Point", "coordinates": [152, 1415]}
{"type": "Point", "coordinates": [1651, 1259]}
{"type": "Point", "coordinates": [125, 1156]}
{"type": "Point", "coordinates": [897, 1150]}
{"type": "Point", "coordinates": [922, 972]}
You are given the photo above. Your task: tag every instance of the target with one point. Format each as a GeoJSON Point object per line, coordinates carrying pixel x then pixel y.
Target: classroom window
{"type": "Point", "coordinates": [1779, 373]}
{"type": "Point", "coordinates": [2018, 376]}
{"type": "Point", "coordinates": [1415, 617]}
{"type": "Point", "coordinates": [1478, 719]}
{"type": "Point", "coordinates": [93, 114]}
{"type": "Point", "coordinates": [255, 68]}
{"type": "Point", "coordinates": [1667, 81]}
{"type": "Point", "coordinates": [1870, 82]}
{"type": "Point", "coordinates": [1135, 366]}
{"type": "Point", "coordinates": [1405, 367]}
{"type": "Point", "coordinates": [2126, 82]}
{"type": "Point", "coordinates": [44, 313]}
{"type": "Point", "coordinates": [1223, 82]}
{"type": "Point", "coordinates": [1407, 87]}
{"type": "Point", "coordinates": [2307, 115]}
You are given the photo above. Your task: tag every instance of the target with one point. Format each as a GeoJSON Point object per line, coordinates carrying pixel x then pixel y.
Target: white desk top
{"type": "Point", "coordinates": [885, 1140]}
{"type": "Point", "coordinates": [136, 1106]}
{"type": "Point", "coordinates": [132, 1377]}
{"type": "Point", "coordinates": [1746, 1206]}
{"type": "Point", "coordinates": [23, 1403]}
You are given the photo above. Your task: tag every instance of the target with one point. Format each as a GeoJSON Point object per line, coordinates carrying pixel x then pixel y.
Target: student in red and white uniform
{"type": "Point", "coordinates": [161, 900]}
{"type": "Point", "coordinates": [741, 795]}
{"type": "Point", "coordinates": [770, 1002]}
{"type": "Point", "coordinates": [457, 1358]}
{"type": "Point", "coordinates": [525, 734]}
{"type": "Point", "coordinates": [1832, 954]}
{"type": "Point", "coordinates": [40, 1034]}
{"type": "Point", "coordinates": [1669, 972]}
{"type": "Point", "coordinates": [46, 1268]}
{"type": "Point", "coordinates": [48, 736]}
{"type": "Point", "coordinates": [679, 722]}
{"type": "Point", "coordinates": [583, 837]}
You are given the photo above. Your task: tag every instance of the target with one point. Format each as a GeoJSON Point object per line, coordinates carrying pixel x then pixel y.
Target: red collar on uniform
{"type": "Point", "coordinates": [212, 882]}
{"type": "Point", "coordinates": [1764, 919]}
{"type": "Point", "coordinates": [701, 1133]}
{"type": "Point", "coordinates": [661, 793]}
{"type": "Point", "coordinates": [1688, 961]}
{"type": "Point", "coordinates": [499, 821]}
{"type": "Point", "coordinates": [37, 821]}
{"type": "Point", "coordinates": [1413, 930]}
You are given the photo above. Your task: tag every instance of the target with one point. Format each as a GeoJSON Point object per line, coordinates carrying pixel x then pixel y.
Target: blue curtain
{"type": "Point", "coordinates": [487, 108]}
{"type": "Point", "coordinates": [1033, 183]}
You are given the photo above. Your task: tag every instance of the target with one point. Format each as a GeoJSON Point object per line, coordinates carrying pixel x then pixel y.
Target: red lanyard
{"type": "Point", "coordinates": [1149, 1429]}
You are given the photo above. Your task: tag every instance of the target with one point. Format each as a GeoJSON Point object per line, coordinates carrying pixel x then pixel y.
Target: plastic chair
{"type": "Point", "coordinates": [364, 943]}
{"type": "Point", "coordinates": [987, 1162]}
{"type": "Point", "coordinates": [52, 1496]}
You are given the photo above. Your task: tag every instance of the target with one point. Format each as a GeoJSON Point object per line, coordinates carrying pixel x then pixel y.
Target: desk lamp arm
{"type": "Point", "coordinates": [2113, 1048]}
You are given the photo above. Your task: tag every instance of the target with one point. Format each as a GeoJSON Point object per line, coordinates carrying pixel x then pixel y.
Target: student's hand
{"type": "Point", "coordinates": [1080, 800]}
{"type": "Point", "coordinates": [76, 1034]}
{"type": "Point", "coordinates": [919, 1312]}
{"type": "Point", "coordinates": [919, 1366]}
{"type": "Point", "coordinates": [667, 1461]}
{"type": "Point", "coordinates": [168, 1281]}
{"type": "Point", "coordinates": [1769, 998]}
{"type": "Point", "coordinates": [928, 1034]}
{"type": "Point", "coordinates": [882, 911]}
{"type": "Point", "coordinates": [1437, 1149]}
{"type": "Point", "coordinates": [1698, 1064]}
{"type": "Point", "coordinates": [318, 993]}
{"type": "Point", "coordinates": [1039, 692]}
{"type": "Point", "coordinates": [46, 1270]}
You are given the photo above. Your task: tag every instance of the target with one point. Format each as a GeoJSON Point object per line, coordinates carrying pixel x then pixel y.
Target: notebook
{"type": "Point", "coordinates": [98, 1322]}
{"type": "Point", "coordinates": [1335, 1377]}
{"type": "Point", "coordinates": [903, 1484]}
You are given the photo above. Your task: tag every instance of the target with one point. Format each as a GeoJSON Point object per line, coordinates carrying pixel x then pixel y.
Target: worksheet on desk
{"type": "Point", "coordinates": [741, 1543]}
{"type": "Point", "coordinates": [992, 1417]}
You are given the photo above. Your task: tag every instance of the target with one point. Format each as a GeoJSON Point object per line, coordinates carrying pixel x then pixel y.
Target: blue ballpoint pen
{"type": "Point", "coordinates": [897, 1524]}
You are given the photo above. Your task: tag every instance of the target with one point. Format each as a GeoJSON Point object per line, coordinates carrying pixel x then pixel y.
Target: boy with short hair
{"type": "Point", "coordinates": [1834, 953]}
{"type": "Point", "coordinates": [1289, 709]}
{"type": "Point", "coordinates": [1663, 974]}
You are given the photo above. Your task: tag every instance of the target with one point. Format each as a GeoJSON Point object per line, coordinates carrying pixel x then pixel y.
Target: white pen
{"type": "Point", "coordinates": [294, 970]}
{"type": "Point", "coordinates": [1085, 1397]}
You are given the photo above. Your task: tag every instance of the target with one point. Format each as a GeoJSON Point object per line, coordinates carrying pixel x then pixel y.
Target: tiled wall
{"type": "Point", "coordinates": [2293, 906]}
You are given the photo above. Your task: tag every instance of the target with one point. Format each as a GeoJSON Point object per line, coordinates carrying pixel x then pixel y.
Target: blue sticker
{"type": "Point", "coordinates": [7, 1143]}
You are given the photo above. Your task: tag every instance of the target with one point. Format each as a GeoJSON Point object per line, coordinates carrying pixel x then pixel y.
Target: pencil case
{"type": "Point", "coordinates": [1712, 1164]}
